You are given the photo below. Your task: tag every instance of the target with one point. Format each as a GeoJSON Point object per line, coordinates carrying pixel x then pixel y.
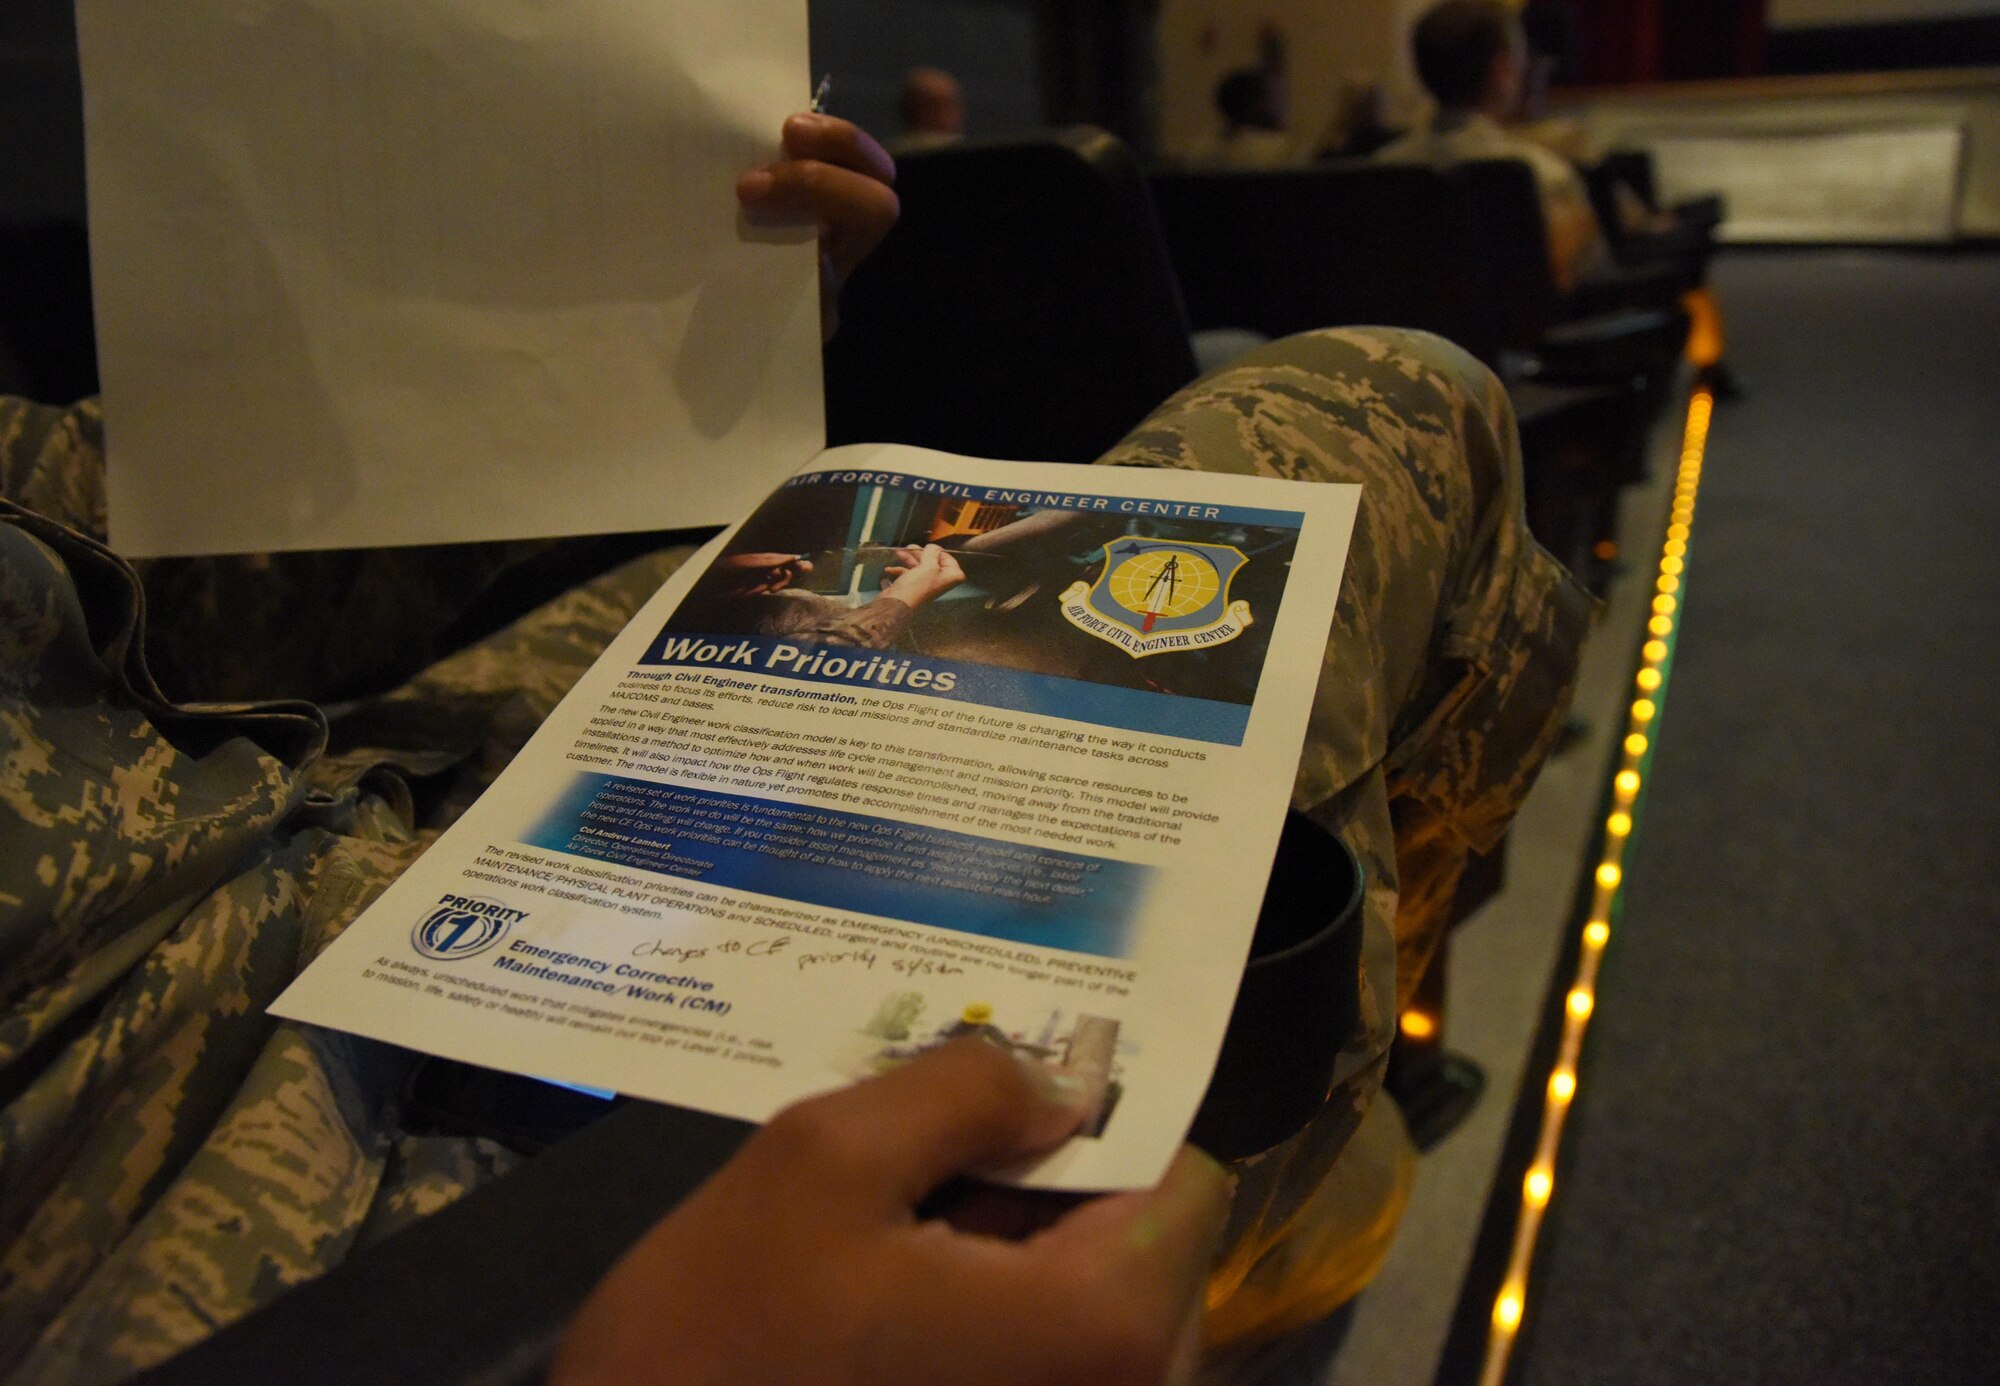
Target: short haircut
{"type": "Point", "coordinates": [928, 93]}
{"type": "Point", "coordinates": [1455, 44]}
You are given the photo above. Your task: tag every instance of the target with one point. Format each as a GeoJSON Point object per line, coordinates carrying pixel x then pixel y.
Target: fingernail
{"type": "Point", "coordinates": [755, 185]}
{"type": "Point", "coordinates": [1064, 1090]}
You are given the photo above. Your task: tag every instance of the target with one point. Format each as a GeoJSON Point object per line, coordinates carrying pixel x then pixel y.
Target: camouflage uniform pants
{"type": "Point", "coordinates": [170, 1158]}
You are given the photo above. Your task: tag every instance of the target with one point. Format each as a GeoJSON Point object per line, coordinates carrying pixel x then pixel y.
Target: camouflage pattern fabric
{"type": "Point", "coordinates": [1448, 673]}
{"type": "Point", "coordinates": [170, 1159]}
{"type": "Point", "coordinates": [324, 626]}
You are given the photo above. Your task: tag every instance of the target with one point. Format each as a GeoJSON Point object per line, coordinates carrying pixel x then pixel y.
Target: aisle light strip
{"type": "Point", "coordinates": [1539, 1187]}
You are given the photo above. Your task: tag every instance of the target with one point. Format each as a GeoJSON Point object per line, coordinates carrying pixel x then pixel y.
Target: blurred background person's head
{"type": "Point", "coordinates": [1358, 123]}
{"type": "Point", "coordinates": [1248, 99]}
{"type": "Point", "coordinates": [932, 107]}
{"type": "Point", "coordinates": [1472, 55]}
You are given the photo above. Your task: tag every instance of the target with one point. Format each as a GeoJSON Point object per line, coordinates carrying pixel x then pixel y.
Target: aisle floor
{"type": "Point", "coordinates": [1782, 1161]}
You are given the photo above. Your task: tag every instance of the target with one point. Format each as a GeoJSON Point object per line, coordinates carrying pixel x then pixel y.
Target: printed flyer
{"type": "Point", "coordinates": [925, 747]}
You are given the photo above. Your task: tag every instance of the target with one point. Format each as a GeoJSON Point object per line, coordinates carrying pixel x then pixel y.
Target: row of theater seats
{"type": "Point", "coordinates": [1037, 299]}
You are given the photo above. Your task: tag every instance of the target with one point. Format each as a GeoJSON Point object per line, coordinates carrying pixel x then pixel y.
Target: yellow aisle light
{"type": "Point", "coordinates": [1539, 1186]}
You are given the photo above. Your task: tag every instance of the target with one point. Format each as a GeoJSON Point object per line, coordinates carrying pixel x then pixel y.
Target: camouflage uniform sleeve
{"type": "Point", "coordinates": [242, 627]}
{"type": "Point", "coordinates": [1444, 681]}
{"type": "Point", "coordinates": [171, 1158]}
{"type": "Point", "coordinates": [52, 462]}
{"type": "Point", "coordinates": [147, 912]}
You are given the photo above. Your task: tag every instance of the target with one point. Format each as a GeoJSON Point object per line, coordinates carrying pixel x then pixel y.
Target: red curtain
{"type": "Point", "coordinates": [1615, 42]}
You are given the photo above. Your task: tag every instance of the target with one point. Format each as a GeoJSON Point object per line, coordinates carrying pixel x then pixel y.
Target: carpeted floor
{"type": "Point", "coordinates": [1784, 1163]}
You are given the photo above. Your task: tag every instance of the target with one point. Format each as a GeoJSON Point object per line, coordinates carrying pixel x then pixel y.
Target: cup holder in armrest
{"type": "Point", "coordinates": [1298, 1004]}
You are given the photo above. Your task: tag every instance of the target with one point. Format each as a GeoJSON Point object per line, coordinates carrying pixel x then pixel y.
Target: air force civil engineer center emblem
{"type": "Point", "coordinates": [1155, 596]}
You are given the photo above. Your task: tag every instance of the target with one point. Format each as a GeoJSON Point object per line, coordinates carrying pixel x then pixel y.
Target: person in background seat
{"type": "Point", "coordinates": [1472, 56]}
{"type": "Point", "coordinates": [932, 107]}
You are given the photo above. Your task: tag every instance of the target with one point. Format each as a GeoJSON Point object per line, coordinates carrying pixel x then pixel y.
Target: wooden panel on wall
{"type": "Point", "coordinates": [1880, 185]}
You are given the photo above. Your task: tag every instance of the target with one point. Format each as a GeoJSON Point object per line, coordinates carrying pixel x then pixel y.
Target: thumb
{"type": "Point", "coordinates": [1159, 1242]}
{"type": "Point", "coordinates": [886, 1143]}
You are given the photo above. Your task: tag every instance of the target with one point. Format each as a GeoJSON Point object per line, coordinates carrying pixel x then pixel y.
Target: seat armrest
{"type": "Point", "coordinates": [1625, 287]}
{"type": "Point", "coordinates": [1611, 347]}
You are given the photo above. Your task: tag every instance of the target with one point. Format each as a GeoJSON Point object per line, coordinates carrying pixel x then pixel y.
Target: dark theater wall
{"type": "Point", "coordinates": [41, 112]}
{"type": "Point", "coordinates": [989, 45]}
{"type": "Point", "coordinates": [866, 44]}
{"type": "Point", "coordinates": [1953, 41]}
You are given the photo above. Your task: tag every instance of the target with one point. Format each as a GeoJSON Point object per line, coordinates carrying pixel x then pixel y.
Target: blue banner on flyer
{"type": "Point", "coordinates": [1138, 508]}
{"type": "Point", "coordinates": [1141, 614]}
{"type": "Point", "coordinates": [1018, 690]}
{"type": "Point", "coordinates": [851, 861]}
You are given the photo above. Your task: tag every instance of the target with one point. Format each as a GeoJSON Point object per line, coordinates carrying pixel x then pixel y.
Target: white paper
{"type": "Point", "coordinates": [371, 272]}
{"type": "Point", "coordinates": [739, 865]}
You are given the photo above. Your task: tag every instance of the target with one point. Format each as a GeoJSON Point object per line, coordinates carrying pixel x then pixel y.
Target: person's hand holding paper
{"type": "Point", "coordinates": [806, 1258]}
{"type": "Point", "coordinates": [835, 176]}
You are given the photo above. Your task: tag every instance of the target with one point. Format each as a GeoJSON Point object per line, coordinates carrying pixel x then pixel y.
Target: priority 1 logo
{"type": "Point", "coordinates": [463, 926]}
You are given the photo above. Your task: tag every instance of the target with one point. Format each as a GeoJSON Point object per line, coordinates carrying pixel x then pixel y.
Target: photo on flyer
{"type": "Point", "coordinates": [1145, 615]}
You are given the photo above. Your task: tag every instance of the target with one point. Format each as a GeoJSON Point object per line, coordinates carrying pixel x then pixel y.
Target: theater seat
{"type": "Point", "coordinates": [1635, 330]}
{"type": "Point", "coordinates": [48, 345]}
{"type": "Point", "coordinates": [1629, 357]}
{"type": "Point", "coordinates": [1350, 243]}
{"type": "Point", "coordinates": [1343, 243]}
{"type": "Point", "coordinates": [1022, 308]}
{"type": "Point", "coordinates": [1693, 239]}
